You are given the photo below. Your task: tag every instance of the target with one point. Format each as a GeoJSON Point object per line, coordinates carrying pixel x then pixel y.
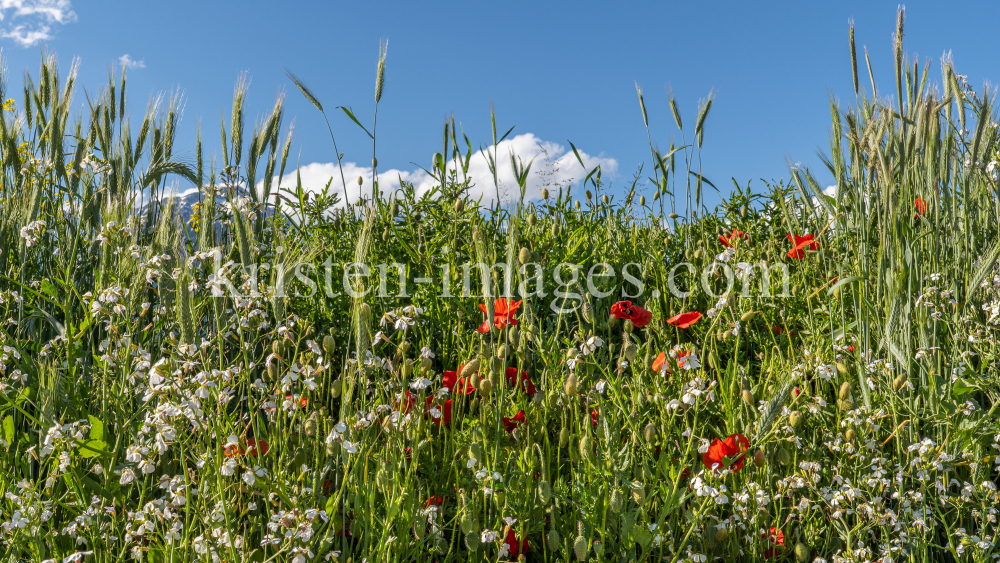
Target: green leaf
{"type": "Point", "coordinates": [8, 429]}
{"type": "Point", "coordinates": [93, 448]}
{"type": "Point", "coordinates": [962, 387]}
{"type": "Point", "coordinates": [833, 289]}
{"type": "Point", "coordinates": [96, 428]}
{"type": "Point", "coordinates": [350, 114]}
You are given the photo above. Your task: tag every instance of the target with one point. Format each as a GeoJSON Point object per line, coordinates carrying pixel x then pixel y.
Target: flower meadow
{"type": "Point", "coordinates": [193, 387]}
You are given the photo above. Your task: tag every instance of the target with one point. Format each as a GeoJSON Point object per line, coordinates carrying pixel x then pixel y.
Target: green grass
{"type": "Point", "coordinates": [144, 418]}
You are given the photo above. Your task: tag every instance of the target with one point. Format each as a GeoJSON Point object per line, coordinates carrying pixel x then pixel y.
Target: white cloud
{"type": "Point", "coordinates": [30, 20]}
{"type": "Point", "coordinates": [830, 191]}
{"type": "Point", "coordinates": [562, 168]}
{"type": "Point", "coordinates": [129, 62]}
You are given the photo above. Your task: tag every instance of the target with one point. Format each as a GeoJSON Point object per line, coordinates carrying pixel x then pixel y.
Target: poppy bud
{"type": "Point", "coordinates": [616, 501]}
{"type": "Point", "coordinates": [649, 432]}
{"type": "Point", "coordinates": [639, 495]}
{"type": "Point", "coordinates": [784, 458]}
{"type": "Point", "coordinates": [842, 368]}
{"type": "Point", "coordinates": [545, 193]}
{"type": "Point", "coordinates": [759, 459]}
{"type": "Point", "coordinates": [544, 491]}
{"type": "Point", "coordinates": [475, 380]}
{"type": "Point", "coordinates": [589, 195]}
{"type": "Point", "coordinates": [524, 255]}
{"type": "Point", "coordinates": [485, 387]}
{"type": "Point", "coordinates": [459, 205]}
{"type": "Point", "coordinates": [497, 366]}
{"type": "Point", "coordinates": [845, 404]}
{"type": "Point", "coordinates": [277, 348]}
{"type": "Point", "coordinates": [554, 231]}
{"type": "Point", "coordinates": [580, 547]}
{"type": "Point", "coordinates": [385, 234]}
{"type": "Point", "coordinates": [721, 534]}
{"type": "Point", "coordinates": [642, 200]}
{"type": "Point", "coordinates": [553, 541]}
{"type": "Point", "coordinates": [571, 385]}
{"type": "Point", "coordinates": [514, 335]}
{"type": "Point", "coordinates": [470, 368]}
{"type": "Point", "coordinates": [673, 215]}
{"type": "Point", "coordinates": [795, 419]}
{"type": "Point", "coordinates": [310, 425]}
{"type": "Point", "coordinates": [606, 199]}
{"type": "Point", "coordinates": [801, 552]}
{"type": "Point", "coordinates": [748, 316]}
{"type": "Point", "coordinates": [299, 458]}
{"type": "Point", "coordinates": [630, 351]}
{"type": "Point", "coordinates": [271, 373]}
{"type": "Point", "coordinates": [408, 369]}
{"type": "Point", "coordinates": [587, 448]}
{"type": "Point", "coordinates": [628, 326]}
{"type": "Point", "coordinates": [563, 437]}
{"type": "Point", "coordinates": [587, 313]}
{"type": "Point", "coordinates": [472, 541]}
{"type": "Point", "coordinates": [329, 343]}
{"type": "Point", "coordinates": [850, 435]}
{"type": "Point", "coordinates": [845, 390]}
{"type": "Point", "coordinates": [336, 387]}
{"type": "Point", "coordinates": [899, 382]}
{"type": "Point", "coordinates": [502, 351]}
{"type": "Point", "coordinates": [425, 365]}
{"type": "Point", "coordinates": [395, 209]}
{"type": "Point", "coordinates": [656, 195]}
{"type": "Point", "coordinates": [748, 397]}
{"type": "Point", "coordinates": [374, 162]}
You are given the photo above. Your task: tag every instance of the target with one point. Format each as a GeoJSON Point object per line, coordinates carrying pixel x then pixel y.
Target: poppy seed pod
{"type": "Point", "coordinates": [524, 255]}
{"type": "Point", "coordinates": [845, 390]}
{"type": "Point", "coordinates": [571, 385]}
{"type": "Point", "coordinates": [553, 540]}
{"type": "Point", "coordinates": [329, 344]}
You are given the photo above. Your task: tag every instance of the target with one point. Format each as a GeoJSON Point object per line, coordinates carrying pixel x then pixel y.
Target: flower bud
{"type": "Point", "coordinates": [899, 382]}
{"type": "Point", "coordinates": [589, 195]}
{"type": "Point", "coordinates": [628, 326]}
{"type": "Point", "coordinates": [845, 390]}
{"type": "Point", "coordinates": [329, 344]}
{"type": "Point", "coordinates": [649, 432]}
{"type": "Point", "coordinates": [784, 458]}
{"type": "Point", "coordinates": [277, 348]}
{"type": "Point", "coordinates": [485, 387]}
{"type": "Point", "coordinates": [616, 501]}
{"type": "Point", "coordinates": [502, 351]}
{"type": "Point", "coordinates": [532, 220]}
{"type": "Point", "coordinates": [845, 404]}
{"type": "Point", "coordinates": [524, 255]}
{"type": "Point", "coordinates": [748, 316]}
{"type": "Point", "coordinates": [571, 385]}
{"type": "Point", "coordinates": [795, 419]}
{"type": "Point", "coordinates": [721, 534]}
{"type": "Point", "coordinates": [672, 215]}
{"type": "Point", "coordinates": [630, 351]}
{"type": "Point", "coordinates": [850, 435]}
{"type": "Point", "coordinates": [472, 541]}
{"type": "Point", "coordinates": [425, 365]}
{"type": "Point", "coordinates": [553, 541]}
{"type": "Point", "coordinates": [642, 200]}
{"type": "Point", "coordinates": [587, 312]}
{"type": "Point", "coordinates": [759, 459]}
{"type": "Point", "coordinates": [310, 425]}
{"type": "Point", "coordinates": [514, 335]}
{"type": "Point", "coordinates": [374, 162]}
{"type": "Point", "coordinates": [587, 448]}
{"type": "Point", "coordinates": [801, 552]}
{"type": "Point", "coordinates": [606, 199]}
{"type": "Point", "coordinates": [563, 437]}
{"type": "Point", "coordinates": [580, 547]}
{"type": "Point", "coordinates": [748, 397]}
{"type": "Point", "coordinates": [459, 205]}
{"type": "Point", "coordinates": [361, 180]}
{"type": "Point", "coordinates": [545, 193]}
{"type": "Point", "coordinates": [554, 230]}
{"type": "Point", "coordinates": [271, 373]}
{"type": "Point", "coordinates": [842, 368]}
{"type": "Point", "coordinates": [336, 388]}
{"type": "Point", "coordinates": [470, 368]}
{"type": "Point", "coordinates": [544, 492]}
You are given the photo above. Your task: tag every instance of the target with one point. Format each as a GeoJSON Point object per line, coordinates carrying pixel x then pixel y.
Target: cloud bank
{"type": "Point", "coordinates": [28, 22]}
{"type": "Point", "coordinates": [553, 165]}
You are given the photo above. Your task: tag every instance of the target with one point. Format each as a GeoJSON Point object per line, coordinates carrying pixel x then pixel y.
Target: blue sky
{"type": "Point", "coordinates": [557, 70]}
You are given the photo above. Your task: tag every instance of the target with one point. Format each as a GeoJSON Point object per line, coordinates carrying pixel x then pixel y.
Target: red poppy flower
{"type": "Point", "coordinates": [921, 206]}
{"type": "Point", "coordinates": [327, 487]}
{"type": "Point", "coordinates": [445, 409]}
{"type": "Point", "coordinates": [302, 400]}
{"type": "Point", "coordinates": [404, 406]}
{"type": "Point", "coordinates": [522, 381]}
{"type": "Point", "coordinates": [435, 501]}
{"type": "Point", "coordinates": [684, 320]}
{"type": "Point", "coordinates": [776, 541]}
{"type": "Point", "coordinates": [503, 314]}
{"type": "Point", "coordinates": [626, 310]}
{"type": "Point", "coordinates": [458, 385]}
{"type": "Point", "coordinates": [659, 361]}
{"type": "Point", "coordinates": [513, 546]}
{"type": "Point", "coordinates": [257, 447]}
{"type": "Point", "coordinates": [800, 244]}
{"type": "Point", "coordinates": [593, 417]}
{"type": "Point", "coordinates": [721, 450]}
{"type": "Point", "coordinates": [728, 240]}
{"type": "Point", "coordinates": [510, 423]}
